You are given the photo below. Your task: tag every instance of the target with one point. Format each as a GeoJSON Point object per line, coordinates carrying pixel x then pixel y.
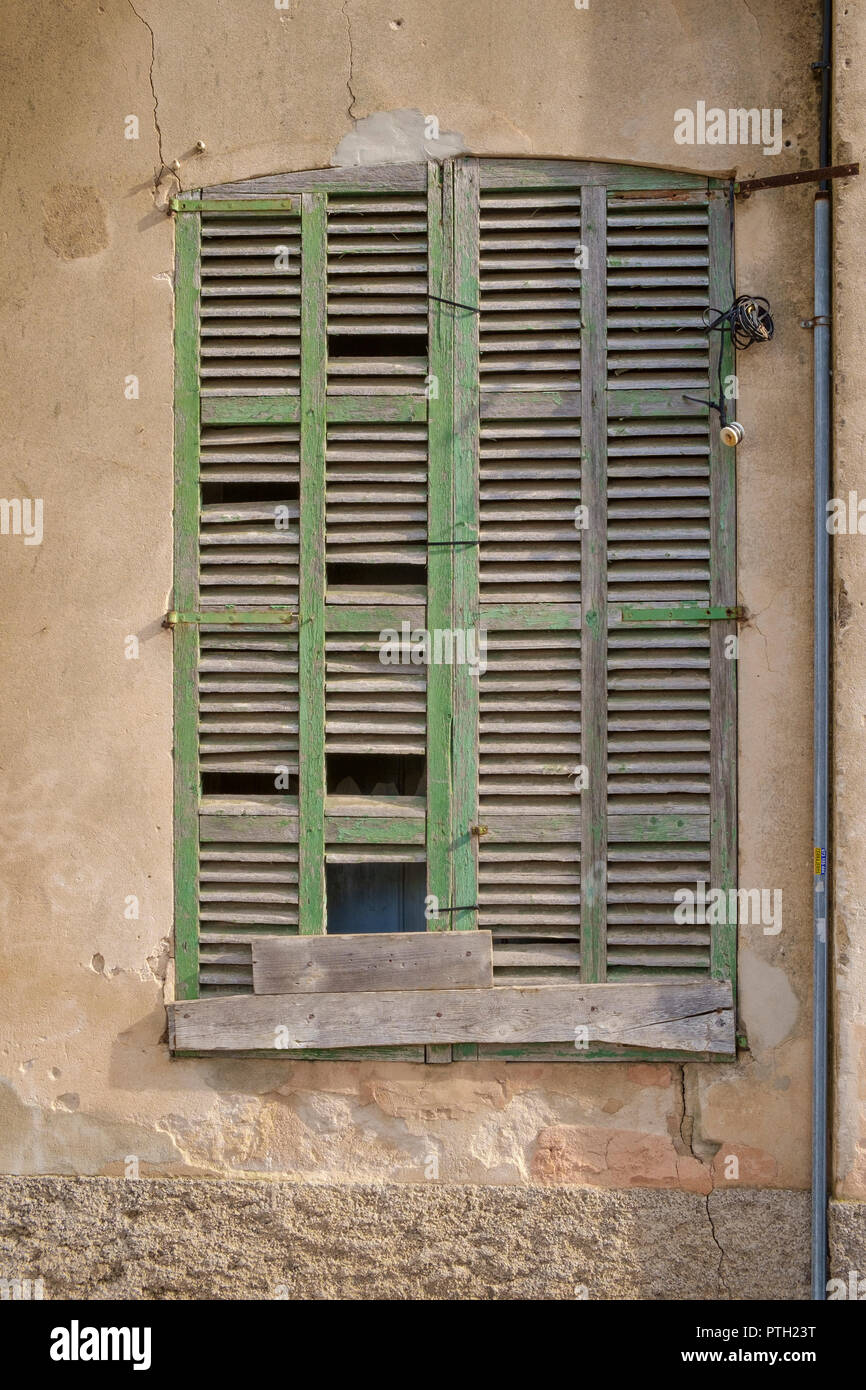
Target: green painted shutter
{"type": "Point", "coordinates": [590, 334]}
{"type": "Point", "coordinates": [433, 369]}
{"type": "Point", "coordinates": [671, 690]}
{"type": "Point", "coordinates": [305, 339]}
{"type": "Point", "coordinates": [236, 587]}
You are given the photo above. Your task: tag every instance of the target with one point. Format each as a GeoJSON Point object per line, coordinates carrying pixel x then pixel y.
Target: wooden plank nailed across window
{"type": "Point", "coordinates": [383, 961]}
{"type": "Point", "coordinates": [696, 1016]}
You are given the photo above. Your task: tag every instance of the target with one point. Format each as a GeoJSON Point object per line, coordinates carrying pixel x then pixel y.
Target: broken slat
{"type": "Point", "coordinates": [378, 961]}
{"type": "Point", "coordinates": [695, 1016]}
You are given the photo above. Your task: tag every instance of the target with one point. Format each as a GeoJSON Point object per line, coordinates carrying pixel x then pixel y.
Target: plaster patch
{"type": "Point", "coordinates": [74, 222]}
{"type": "Point", "coordinates": [395, 137]}
{"type": "Point", "coordinates": [768, 1005]}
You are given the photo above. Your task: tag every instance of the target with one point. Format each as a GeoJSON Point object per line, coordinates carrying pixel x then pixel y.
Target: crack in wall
{"type": "Point", "coordinates": [350, 109]}
{"type": "Point", "coordinates": [685, 1117]}
{"type": "Point", "coordinates": [163, 167]}
{"type": "Point", "coordinates": [717, 1243]}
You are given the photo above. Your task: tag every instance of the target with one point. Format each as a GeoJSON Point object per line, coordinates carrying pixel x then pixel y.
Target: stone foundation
{"type": "Point", "coordinates": [103, 1238]}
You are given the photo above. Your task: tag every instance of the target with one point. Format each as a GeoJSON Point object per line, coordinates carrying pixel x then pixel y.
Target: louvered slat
{"type": "Point", "coordinates": [248, 701]}
{"type": "Point", "coordinates": [377, 494]}
{"type": "Point", "coordinates": [529, 492]}
{"type": "Point", "coordinates": [658, 509]}
{"type": "Point", "coordinates": [529, 289]}
{"type": "Point", "coordinates": [657, 289]}
{"type": "Point", "coordinates": [377, 293]}
{"type": "Point", "coordinates": [659, 550]}
{"type": "Point", "coordinates": [643, 936]}
{"type": "Point", "coordinates": [250, 304]}
{"type": "Point", "coordinates": [529, 761]}
{"type": "Point", "coordinates": [372, 706]}
{"type": "Point", "coordinates": [250, 454]}
{"type": "Point", "coordinates": [246, 889]}
{"type": "Point", "coordinates": [529, 898]}
{"type": "Point", "coordinates": [249, 552]}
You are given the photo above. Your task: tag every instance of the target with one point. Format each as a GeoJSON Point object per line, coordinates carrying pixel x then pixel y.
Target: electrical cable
{"type": "Point", "coordinates": [748, 320]}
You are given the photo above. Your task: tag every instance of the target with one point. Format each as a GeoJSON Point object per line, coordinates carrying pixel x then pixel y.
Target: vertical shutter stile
{"type": "Point", "coordinates": [723, 585]}
{"type": "Point", "coordinates": [311, 609]}
{"type": "Point", "coordinates": [186, 513]}
{"type": "Point", "coordinates": [593, 821]}
{"type": "Point", "coordinates": [467, 619]}
{"type": "Point", "coordinates": [440, 557]}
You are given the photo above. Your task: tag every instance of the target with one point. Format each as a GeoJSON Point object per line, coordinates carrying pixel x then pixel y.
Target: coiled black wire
{"type": "Point", "coordinates": [748, 320]}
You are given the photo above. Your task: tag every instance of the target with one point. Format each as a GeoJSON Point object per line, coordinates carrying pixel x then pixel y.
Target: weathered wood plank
{"type": "Point", "coordinates": [527, 405]}
{"type": "Point", "coordinates": [388, 806]}
{"type": "Point", "coordinates": [636, 403]}
{"type": "Point", "coordinates": [697, 1016]}
{"type": "Point", "coordinates": [593, 574]}
{"type": "Point", "coordinates": [558, 173]}
{"type": "Point", "coordinates": [386, 961]}
{"type": "Point", "coordinates": [658, 829]}
{"type": "Point", "coordinates": [186, 513]}
{"type": "Point", "coordinates": [399, 410]}
{"type": "Point", "coordinates": [351, 618]}
{"type": "Point", "coordinates": [250, 410]}
{"type": "Point", "coordinates": [526, 617]}
{"type": "Point", "coordinates": [374, 178]}
{"type": "Point", "coordinates": [241, 205]}
{"type": "Point", "coordinates": [311, 639]}
{"type": "Point", "coordinates": [374, 830]}
{"type": "Point", "coordinates": [334, 1054]}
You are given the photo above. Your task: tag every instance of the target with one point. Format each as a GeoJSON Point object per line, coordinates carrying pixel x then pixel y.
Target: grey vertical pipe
{"type": "Point", "coordinates": [821, 347]}
{"type": "Point", "coordinates": [821, 701]}
{"type": "Point", "coordinates": [822, 740]}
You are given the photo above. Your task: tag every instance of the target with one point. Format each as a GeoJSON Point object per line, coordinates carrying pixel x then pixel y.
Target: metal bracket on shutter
{"type": "Point", "coordinates": [231, 616]}
{"type": "Point", "coordinates": [682, 613]}
{"type": "Point", "coordinates": [745, 187]}
{"type": "Point", "coordinates": [237, 205]}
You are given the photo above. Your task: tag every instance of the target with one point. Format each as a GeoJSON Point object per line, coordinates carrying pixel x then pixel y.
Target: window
{"type": "Point", "coordinates": [454, 549]}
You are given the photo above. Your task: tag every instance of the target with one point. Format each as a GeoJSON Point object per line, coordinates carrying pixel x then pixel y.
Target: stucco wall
{"type": "Point", "coordinates": [86, 733]}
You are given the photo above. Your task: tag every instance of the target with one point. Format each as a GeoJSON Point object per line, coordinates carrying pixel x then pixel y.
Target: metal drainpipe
{"type": "Point", "coordinates": [820, 913]}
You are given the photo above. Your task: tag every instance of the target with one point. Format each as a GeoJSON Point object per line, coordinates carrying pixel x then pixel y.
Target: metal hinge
{"type": "Point", "coordinates": [226, 616]}
{"type": "Point", "coordinates": [682, 613]}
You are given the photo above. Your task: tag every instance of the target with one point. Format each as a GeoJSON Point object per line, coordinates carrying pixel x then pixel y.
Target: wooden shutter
{"type": "Point", "coordinates": [671, 558]}
{"type": "Point", "coordinates": [601, 651]}
{"type": "Point", "coordinates": [529, 471]}
{"type": "Point", "coordinates": [302, 357]}
{"type": "Point", "coordinates": [454, 397]}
